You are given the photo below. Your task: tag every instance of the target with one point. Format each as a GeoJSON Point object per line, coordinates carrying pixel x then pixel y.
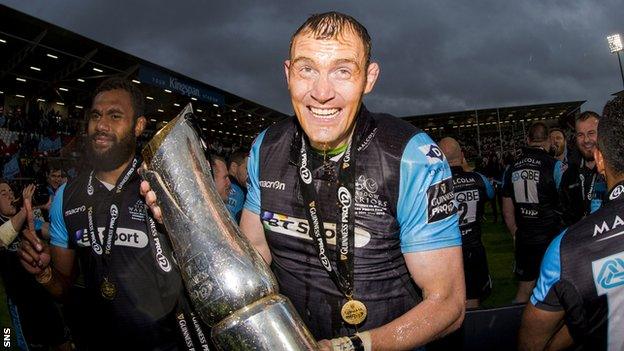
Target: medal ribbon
{"type": "Point", "coordinates": [345, 228]}
{"type": "Point", "coordinates": [587, 196]}
{"type": "Point", "coordinates": [103, 254]}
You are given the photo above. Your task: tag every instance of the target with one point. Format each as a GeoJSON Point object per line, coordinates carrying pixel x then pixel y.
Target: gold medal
{"type": "Point", "coordinates": [353, 312]}
{"type": "Point", "coordinates": [108, 289]}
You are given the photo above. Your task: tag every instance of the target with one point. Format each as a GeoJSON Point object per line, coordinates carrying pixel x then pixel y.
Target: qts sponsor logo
{"type": "Point", "coordinates": [440, 203]}
{"type": "Point", "coordinates": [298, 228]}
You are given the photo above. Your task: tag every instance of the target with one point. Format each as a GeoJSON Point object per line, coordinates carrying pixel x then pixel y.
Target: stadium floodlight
{"type": "Point", "coordinates": [20, 80]}
{"type": "Point", "coordinates": [615, 43]}
{"type": "Point", "coordinates": [35, 68]}
{"type": "Point", "coordinates": [63, 89]}
{"type": "Point", "coordinates": [80, 80]}
{"type": "Point", "coordinates": [98, 70]}
{"type": "Point", "coordinates": [52, 56]}
{"type": "Point", "coordinates": [615, 46]}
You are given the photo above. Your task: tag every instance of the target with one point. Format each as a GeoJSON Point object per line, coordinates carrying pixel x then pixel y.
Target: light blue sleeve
{"type": "Point", "coordinates": [489, 189]}
{"type": "Point", "coordinates": [58, 231]}
{"type": "Point", "coordinates": [252, 202]}
{"type": "Point", "coordinates": [550, 272]}
{"type": "Point", "coordinates": [425, 209]}
{"type": "Point", "coordinates": [558, 173]}
{"type": "Point", "coordinates": [235, 200]}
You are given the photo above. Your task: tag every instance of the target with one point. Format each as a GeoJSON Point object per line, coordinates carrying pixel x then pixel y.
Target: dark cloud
{"type": "Point", "coordinates": [435, 56]}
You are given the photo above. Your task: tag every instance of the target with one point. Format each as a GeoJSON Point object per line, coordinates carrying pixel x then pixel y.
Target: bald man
{"type": "Point", "coordinates": [472, 190]}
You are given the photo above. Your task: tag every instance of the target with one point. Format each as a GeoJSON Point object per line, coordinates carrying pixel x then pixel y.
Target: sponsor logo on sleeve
{"type": "Point", "coordinates": [433, 153]}
{"type": "Point", "coordinates": [440, 201]}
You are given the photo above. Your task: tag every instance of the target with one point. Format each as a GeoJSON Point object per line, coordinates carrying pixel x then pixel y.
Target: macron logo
{"type": "Point", "coordinates": [277, 185]}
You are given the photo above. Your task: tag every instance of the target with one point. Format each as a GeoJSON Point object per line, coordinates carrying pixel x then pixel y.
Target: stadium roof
{"type": "Point", "coordinates": [44, 63]}
{"type": "Point", "coordinates": [563, 112]}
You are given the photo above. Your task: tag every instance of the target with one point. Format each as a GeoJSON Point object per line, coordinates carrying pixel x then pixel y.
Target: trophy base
{"type": "Point", "coordinates": [266, 324]}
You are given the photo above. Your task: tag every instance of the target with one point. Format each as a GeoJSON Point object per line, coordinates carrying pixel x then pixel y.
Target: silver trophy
{"type": "Point", "coordinates": [230, 285]}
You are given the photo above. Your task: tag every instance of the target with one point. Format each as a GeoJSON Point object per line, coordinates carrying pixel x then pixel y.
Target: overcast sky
{"type": "Point", "coordinates": [435, 56]}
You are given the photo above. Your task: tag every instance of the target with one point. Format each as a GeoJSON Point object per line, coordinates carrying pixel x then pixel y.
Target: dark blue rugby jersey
{"type": "Point", "coordinates": [533, 182]}
{"type": "Point", "coordinates": [583, 274]}
{"type": "Point", "coordinates": [403, 204]}
{"type": "Point", "coordinates": [472, 190]}
{"type": "Point", "coordinates": [142, 314]}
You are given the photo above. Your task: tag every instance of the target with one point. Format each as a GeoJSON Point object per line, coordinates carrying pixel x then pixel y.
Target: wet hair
{"type": "Point", "coordinates": [119, 83]}
{"type": "Point", "coordinates": [538, 132]}
{"type": "Point", "coordinates": [610, 131]}
{"type": "Point", "coordinates": [330, 25]}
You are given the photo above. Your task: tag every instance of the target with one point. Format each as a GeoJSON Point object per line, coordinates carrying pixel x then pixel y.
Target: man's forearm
{"type": "Point", "coordinates": [19, 219]}
{"type": "Point", "coordinates": [509, 216]}
{"type": "Point", "coordinates": [429, 320]}
{"type": "Point", "coordinates": [54, 282]}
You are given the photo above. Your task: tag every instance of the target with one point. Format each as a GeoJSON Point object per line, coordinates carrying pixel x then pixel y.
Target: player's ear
{"type": "Point", "coordinates": [600, 162]}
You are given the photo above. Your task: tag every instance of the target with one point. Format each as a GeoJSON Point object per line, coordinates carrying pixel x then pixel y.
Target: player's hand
{"type": "Point", "coordinates": [150, 200]}
{"type": "Point", "coordinates": [358, 342]}
{"type": "Point", "coordinates": [34, 254]}
{"type": "Point", "coordinates": [325, 345]}
{"type": "Point", "coordinates": [28, 192]}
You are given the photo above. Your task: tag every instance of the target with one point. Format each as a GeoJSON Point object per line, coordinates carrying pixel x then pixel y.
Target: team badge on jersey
{"type": "Point", "coordinates": [432, 152]}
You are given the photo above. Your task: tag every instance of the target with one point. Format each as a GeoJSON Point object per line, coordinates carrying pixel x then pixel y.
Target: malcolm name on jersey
{"type": "Point", "coordinates": [604, 227]}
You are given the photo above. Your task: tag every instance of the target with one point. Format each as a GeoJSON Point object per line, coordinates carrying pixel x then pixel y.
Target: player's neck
{"type": "Point", "coordinates": [111, 177]}
{"type": "Point", "coordinates": [612, 179]}
{"type": "Point", "coordinates": [589, 164]}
